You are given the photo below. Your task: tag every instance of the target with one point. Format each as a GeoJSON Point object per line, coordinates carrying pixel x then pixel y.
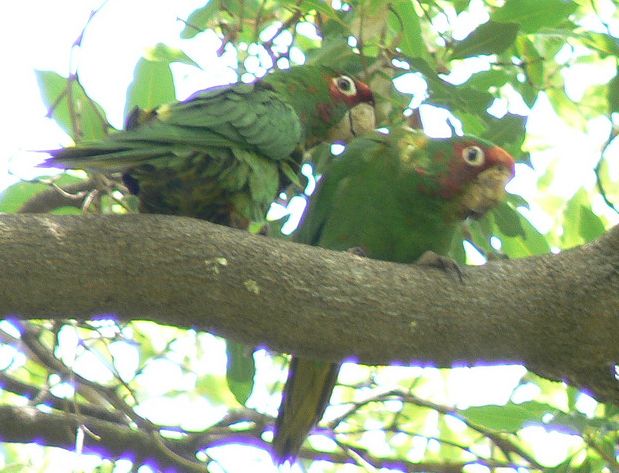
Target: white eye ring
{"type": "Point", "coordinates": [473, 155]}
{"type": "Point", "coordinates": [345, 85]}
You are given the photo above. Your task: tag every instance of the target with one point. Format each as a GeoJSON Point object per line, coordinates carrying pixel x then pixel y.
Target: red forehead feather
{"type": "Point", "coordinates": [495, 155]}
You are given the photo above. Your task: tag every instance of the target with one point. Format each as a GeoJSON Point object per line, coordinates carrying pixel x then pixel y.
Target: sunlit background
{"type": "Point", "coordinates": [38, 35]}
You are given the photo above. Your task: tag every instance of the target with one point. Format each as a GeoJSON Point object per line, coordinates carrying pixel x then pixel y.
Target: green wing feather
{"type": "Point", "coordinates": [216, 155]}
{"type": "Point", "coordinates": [242, 116]}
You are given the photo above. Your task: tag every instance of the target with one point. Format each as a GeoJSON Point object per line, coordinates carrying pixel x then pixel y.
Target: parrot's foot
{"type": "Point", "coordinates": [357, 251]}
{"type": "Point", "coordinates": [430, 258]}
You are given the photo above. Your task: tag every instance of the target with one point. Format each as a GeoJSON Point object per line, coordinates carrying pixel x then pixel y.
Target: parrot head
{"type": "Point", "coordinates": [332, 106]}
{"type": "Point", "coordinates": [479, 172]}
{"type": "Point", "coordinates": [359, 117]}
{"type": "Point", "coordinates": [466, 170]}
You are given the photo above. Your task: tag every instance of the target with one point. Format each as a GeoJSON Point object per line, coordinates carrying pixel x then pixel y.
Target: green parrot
{"type": "Point", "coordinates": [394, 196]}
{"type": "Point", "coordinates": [224, 153]}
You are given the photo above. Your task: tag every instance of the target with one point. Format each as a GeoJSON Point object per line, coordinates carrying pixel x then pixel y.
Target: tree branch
{"type": "Point", "coordinates": [28, 424]}
{"type": "Point", "coordinates": [72, 195]}
{"type": "Point", "coordinates": [557, 314]}
{"type": "Point", "coordinates": [113, 441]}
{"type": "Point", "coordinates": [41, 395]}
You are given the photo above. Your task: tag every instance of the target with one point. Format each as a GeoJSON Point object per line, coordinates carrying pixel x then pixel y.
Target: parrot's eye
{"type": "Point", "coordinates": [473, 155]}
{"type": "Point", "coordinates": [345, 85]}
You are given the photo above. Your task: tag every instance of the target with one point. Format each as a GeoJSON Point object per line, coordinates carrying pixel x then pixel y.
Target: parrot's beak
{"type": "Point", "coordinates": [364, 93]}
{"type": "Point", "coordinates": [358, 120]}
{"type": "Point", "coordinates": [487, 190]}
{"type": "Point", "coordinates": [499, 157]}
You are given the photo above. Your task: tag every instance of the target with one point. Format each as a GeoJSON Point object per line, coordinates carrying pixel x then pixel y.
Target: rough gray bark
{"type": "Point", "coordinates": [557, 314]}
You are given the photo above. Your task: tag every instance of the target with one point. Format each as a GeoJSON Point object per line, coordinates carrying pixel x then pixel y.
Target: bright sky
{"type": "Point", "coordinates": [38, 34]}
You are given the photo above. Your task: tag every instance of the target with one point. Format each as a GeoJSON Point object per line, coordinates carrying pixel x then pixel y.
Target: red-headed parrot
{"type": "Point", "coordinates": [224, 153]}
{"type": "Point", "coordinates": [394, 196]}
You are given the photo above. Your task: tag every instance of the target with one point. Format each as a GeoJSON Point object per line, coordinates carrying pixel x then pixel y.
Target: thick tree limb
{"type": "Point", "coordinates": [557, 314]}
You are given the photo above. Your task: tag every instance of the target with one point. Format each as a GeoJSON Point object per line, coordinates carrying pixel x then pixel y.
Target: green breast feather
{"type": "Point", "coordinates": [400, 220]}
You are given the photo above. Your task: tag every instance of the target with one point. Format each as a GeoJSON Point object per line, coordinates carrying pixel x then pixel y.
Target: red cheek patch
{"type": "Point", "coordinates": [324, 112]}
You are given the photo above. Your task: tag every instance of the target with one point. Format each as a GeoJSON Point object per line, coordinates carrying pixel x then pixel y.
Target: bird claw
{"type": "Point", "coordinates": [430, 258]}
{"type": "Point", "coordinates": [357, 251]}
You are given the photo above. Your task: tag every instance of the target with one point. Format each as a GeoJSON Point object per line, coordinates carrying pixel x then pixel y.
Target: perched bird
{"type": "Point", "coordinates": [224, 153]}
{"type": "Point", "coordinates": [395, 196]}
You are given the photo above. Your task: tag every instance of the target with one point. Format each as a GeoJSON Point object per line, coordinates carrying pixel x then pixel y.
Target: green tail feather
{"type": "Point", "coordinates": [305, 398]}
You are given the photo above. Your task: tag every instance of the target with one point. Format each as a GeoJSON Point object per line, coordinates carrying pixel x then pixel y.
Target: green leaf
{"type": "Point", "coordinates": [549, 45]}
{"type": "Point", "coordinates": [594, 99]}
{"type": "Point", "coordinates": [200, 18]}
{"type": "Point", "coordinates": [613, 95]}
{"type": "Point", "coordinates": [14, 197]}
{"type": "Point", "coordinates": [508, 418]}
{"type": "Point", "coordinates": [591, 226]}
{"type": "Point", "coordinates": [517, 201]}
{"type": "Point", "coordinates": [481, 231]}
{"type": "Point", "coordinates": [507, 130]}
{"type": "Point", "coordinates": [607, 446]}
{"type": "Point", "coordinates": [527, 92]}
{"type": "Point", "coordinates": [606, 45]}
{"type": "Point", "coordinates": [294, 178]}
{"type": "Point", "coordinates": [533, 15]}
{"type": "Point", "coordinates": [529, 244]}
{"type": "Point", "coordinates": [405, 21]}
{"type": "Point", "coordinates": [486, 80]}
{"type": "Point", "coordinates": [164, 53]}
{"type": "Point", "coordinates": [460, 5]}
{"type": "Point", "coordinates": [533, 62]}
{"type": "Point", "coordinates": [460, 97]}
{"type": "Point", "coordinates": [320, 156]}
{"type": "Point", "coordinates": [580, 224]}
{"type": "Point", "coordinates": [489, 38]}
{"type": "Point", "coordinates": [213, 388]}
{"type": "Point", "coordinates": [457, 251]}
{"type": "Point", "coordinates": [569, 111]}
{"type": "Point", "coordinates": [610, 185]}
{"type": "Point", "coordinates": [216, 12]}
{"type": "Point", "coordinates": [240, 370]}
{"type": "Point", "coordinates": [579, 423]}
{"type": "Point", "coordinates": [335, 53]}
{"type": "Point", "coordinates": [80, 117]}
{"type": "Point", "coordinates": [472, 123]}
{"type": "Point", "coordinates": [563, 467]}
{"type": "Point", "coordinates": [319, 6]}
{"type": "Point", "coordinates": [152, 85]}
{"type": "Point", "coordinates": [16, 466]}
{"type": "Point", "coordinates": [421, 65]}
{"type": "Point", "coordinates": [508, 220]}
